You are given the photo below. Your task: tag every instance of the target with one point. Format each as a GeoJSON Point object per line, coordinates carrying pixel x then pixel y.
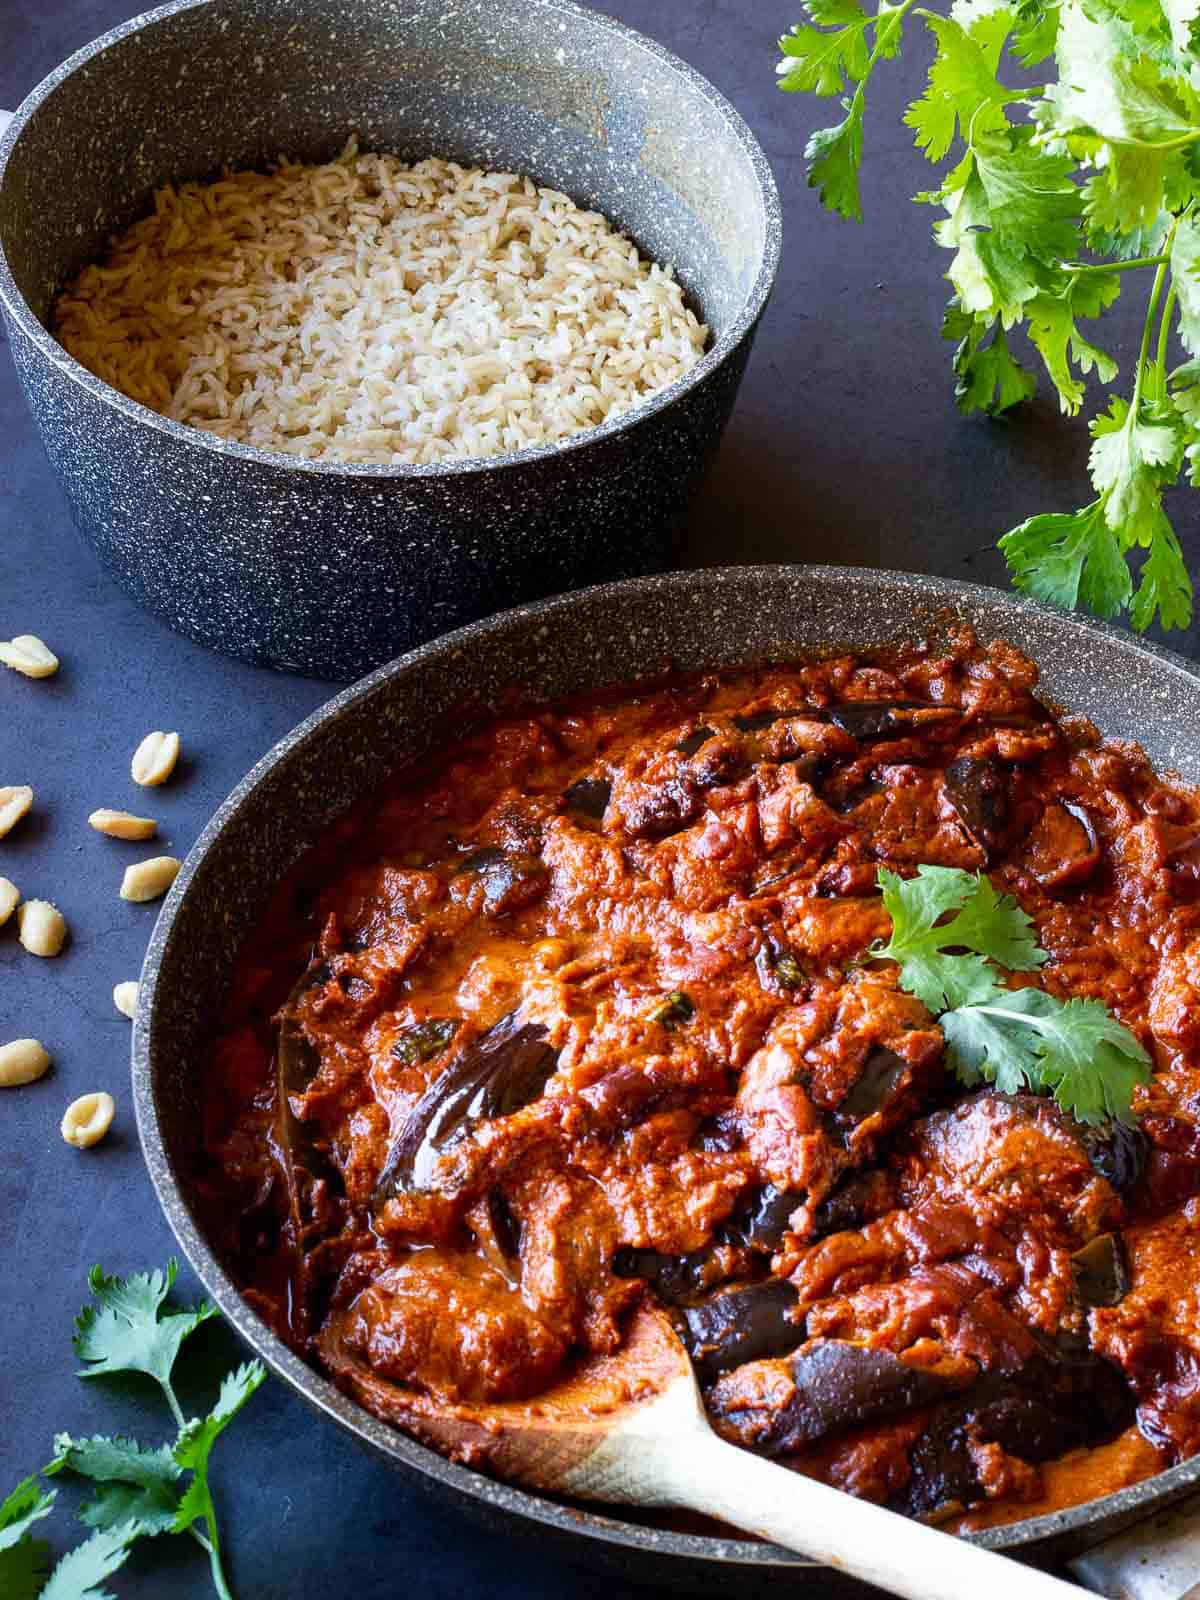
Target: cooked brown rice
{"type": "Point", "coordinates": [370, 311]}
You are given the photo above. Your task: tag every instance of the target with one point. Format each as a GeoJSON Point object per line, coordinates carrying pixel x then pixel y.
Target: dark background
{"type": "Point", "coordinates": [845, 447]}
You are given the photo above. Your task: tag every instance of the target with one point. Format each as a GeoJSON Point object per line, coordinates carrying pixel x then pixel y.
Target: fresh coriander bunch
{"type": "Point", "coordinates": [140, 1491]}
{"type": "Point", "coordinates": [1055, 198]}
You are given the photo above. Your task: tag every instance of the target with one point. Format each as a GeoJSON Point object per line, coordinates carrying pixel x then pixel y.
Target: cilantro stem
{"type": "Point", "coordinates": [1114, 266]}
{"type": "Point", "coordinates": [1164, 331]}
{"type": "Point", "coordinates": [1160, 277]}
{"type": "Point", "coordinates": [176, 1408]}
{"type": "Point", "coordinates": [214, 1562]}
{"type": "Point", "coordinates": [885, 28]}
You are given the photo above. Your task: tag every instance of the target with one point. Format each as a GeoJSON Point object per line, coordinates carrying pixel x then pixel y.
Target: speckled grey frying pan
{"type": "Point", "coordinates": [598, 637]}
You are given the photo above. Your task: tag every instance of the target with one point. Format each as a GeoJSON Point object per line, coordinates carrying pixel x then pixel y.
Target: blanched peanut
{"type": "Point", "coordinates": [154, 759]}
{"type": "Point", "coordinates": [146, 880]}
{"type": "Point", "coordinates": [42, 929]}
{"type": "Point", "coordinates": [26, 653]}
{"type": "Point", "coordinates": [123, 824]}
{"type": "Point", "coordinates": [22, 1061]}
{"type": "Point", "coordinates": [15, 801]}
{"type": "Point", "coordinates": [88, 1119]}
{"type": "Point", "coordinates": [10, 899]}
{"type": "Point", "coordinates": [125, 997]}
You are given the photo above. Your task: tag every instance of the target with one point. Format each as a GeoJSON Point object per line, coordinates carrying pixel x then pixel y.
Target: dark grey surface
{"type": "Point", "coordinates": [328, 568]}
{"type": "Point", "coordinates": [845, 446]}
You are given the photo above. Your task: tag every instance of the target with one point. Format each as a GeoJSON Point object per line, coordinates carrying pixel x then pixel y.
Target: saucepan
{"type": "Point", "coordinates": [327, 568]}
{"type": "Point", "coordinates": [604, 636]}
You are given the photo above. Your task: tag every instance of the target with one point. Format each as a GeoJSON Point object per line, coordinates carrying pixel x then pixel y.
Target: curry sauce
{"type": "Point", "coordinates": [580, 1010]}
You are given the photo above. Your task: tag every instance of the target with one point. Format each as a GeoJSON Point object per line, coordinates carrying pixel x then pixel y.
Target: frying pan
{"type": "Point", "coordinates": [598, 637]}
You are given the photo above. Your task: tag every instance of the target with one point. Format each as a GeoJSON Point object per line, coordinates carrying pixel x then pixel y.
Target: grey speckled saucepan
{"type": "Point", "coordinates": [330, 569]}
{"type": "Point", "coordinates": [599, 637]}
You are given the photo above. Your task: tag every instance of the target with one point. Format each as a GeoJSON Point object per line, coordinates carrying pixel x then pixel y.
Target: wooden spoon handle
{"type": "Point", "coordinates": [908, 1558]}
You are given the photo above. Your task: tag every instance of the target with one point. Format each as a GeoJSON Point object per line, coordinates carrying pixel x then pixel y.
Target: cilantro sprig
{"type": "Point", "coordinates": [1052, 196]}
{"type": "Point", "coordinates": [139, 1491]}
{"type": "Point", "coordinates": [952, 937]}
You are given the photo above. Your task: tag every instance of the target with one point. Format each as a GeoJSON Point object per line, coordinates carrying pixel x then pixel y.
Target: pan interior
{"type": "Point", "coordinates": [594, 639]}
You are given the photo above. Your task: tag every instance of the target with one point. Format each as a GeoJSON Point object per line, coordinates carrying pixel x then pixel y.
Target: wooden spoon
{"type": "Point", "coordinates": [630, 1428]}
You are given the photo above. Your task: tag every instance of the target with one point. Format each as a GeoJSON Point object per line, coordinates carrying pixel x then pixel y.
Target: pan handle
{"type": "Point", "coordinates": [1158, 1559]}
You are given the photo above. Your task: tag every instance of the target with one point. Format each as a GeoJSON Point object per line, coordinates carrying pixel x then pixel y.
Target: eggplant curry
{"type": "Point", "coordinates": [613, 1000]}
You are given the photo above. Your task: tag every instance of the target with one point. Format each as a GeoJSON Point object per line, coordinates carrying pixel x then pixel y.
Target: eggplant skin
{"type": "Point", "coordinates": [588, 797]}
{"type": "Point", "coordinates": [884, 719]}
{"type": "Point", "coordinates": [834, 1386]}
{"type": "Point", "coordinates": [1116, 1152]}
{"type": "Point", "coordinates": [1101, 1271]}
{"type": "Point", "coordinates": [740, 1325]}
{"type": "Point", "coordinates": [494, 1075]}
{"type": "Point", "coordinates": [978, 789]}
{"type": "Point", "coordinates": [1063, 1398]}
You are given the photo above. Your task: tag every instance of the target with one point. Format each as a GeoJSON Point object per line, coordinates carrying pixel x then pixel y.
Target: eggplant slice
{"type": "Point", "coordinates": [494, 1075]}
{"type": "Point", "coordinates": [740, 1325]}
{"type": "Point", "coordinates": [866, 720]}
{"type": "Point", "coordinates": [832, 1386]}
{"type": "Point", "coordinates": [978, 789]}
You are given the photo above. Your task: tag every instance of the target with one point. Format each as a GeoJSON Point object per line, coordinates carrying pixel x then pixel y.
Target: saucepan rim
{"type": "Point", "coordinates": [695, 587]}
{"type": "Point", "coordinates": [745, 320]}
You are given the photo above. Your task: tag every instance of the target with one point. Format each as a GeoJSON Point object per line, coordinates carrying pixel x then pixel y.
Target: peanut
{"type": "Point", "coordinates": [27, 654]}
{"type": "Point", "coordinates": [154, 759]}
{"type": "Point", "coordinates": [15, 801]}
{"type": "Point", "coordinates": [22, 1061]}
{"type": "Point", "coordinates": [125, 997]}
{"type": "Point", "coordinates": [146, 880]}
{"type": "Point", "coordinates": [123, 824]}
{"type": "Point", "coordinates": [88, 1119]}
{"type": "Point", "coordinates": [10, 899]}
{"type": "Point", "coordinates": [42, 929]}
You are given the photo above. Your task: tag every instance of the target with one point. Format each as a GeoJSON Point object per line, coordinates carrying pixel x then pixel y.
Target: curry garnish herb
{"type": "Point", "coordinates": [424, 1040]}
{"type": "Point", "coordinates": [673, 1011]}
{"type": "Point", "coordinates": [139, 1490]}
{"type": "Point", "coordinates": [1014, 1038]}
{"type": "Point", "coordinates": [1054, 199]}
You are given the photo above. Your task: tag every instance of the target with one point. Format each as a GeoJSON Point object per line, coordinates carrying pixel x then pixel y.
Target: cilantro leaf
{"type": "Point", "coordinates": [1165, 589]}
{"type": "Point", "coordinates": [196, 1442]}
{"type": "Point", "coordinates": [1129, 458]}
{"type": "Point", "coordinates": [28, 1503]}
{"type": "Point", "coordinates": [1055, 334]}
{"type": "Point", "coordinates": [1013, 214]}
{"type": "Point", "coordinates": [1063, 558]}
{"type": "Point", "coordinates": [982, 1049]}
{"type": "Point", "coordinates": [963, 92]}
{"type": "Point", "coordinates": [834, 156]}
{"type": "Point", "coordinates": [1036, 31]}
{"type": "Point", "coordinates": [24, 1560]}
{"type": "Point", "coordinates": [1077, 1048]}
{"type": "Point", "coordinates": [1014, 1038]}
{"type": "Point", "coordinates": [108, 1460]}
{"type": "Point", "coordinates": [991, 927]}
{"type": "Point", "coordinates": [820, 62]}
{"type": "Point", "coordinates": [81, 1571]}
{"type": "Point", "coordinates": [1109, 86]}
{"type": "Point", "coordinates": [989, 378]}
{"type": "Point", "coordinates": [126, 1332]}
{"type": "Point", "coordinates": [1185, 267]}
{"type": "Point", "coordinates": [136, 1483]}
